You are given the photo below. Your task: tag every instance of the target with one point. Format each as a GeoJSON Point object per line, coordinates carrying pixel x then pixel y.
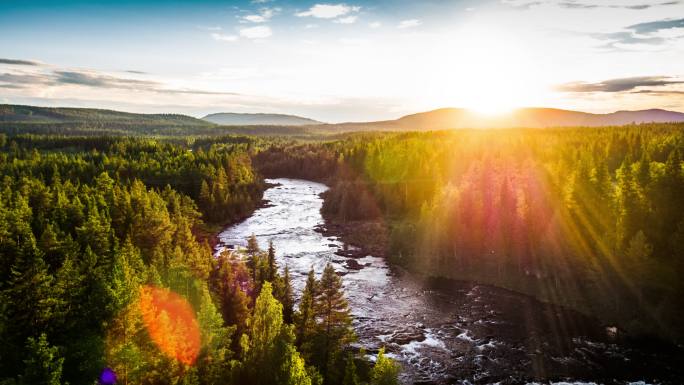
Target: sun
{"type": "Point", "coordinates": [490, 72]}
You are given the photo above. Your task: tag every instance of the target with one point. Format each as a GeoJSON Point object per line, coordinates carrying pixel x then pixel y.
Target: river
{"type": "Point", "coordinates": [448, 332]}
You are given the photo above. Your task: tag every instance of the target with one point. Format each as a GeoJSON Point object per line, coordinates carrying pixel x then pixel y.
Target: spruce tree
{"type": "Point", "coordinates": [305, 319]}
{"type": "Point", "coordinates": [334, 326]}
{"type": "Point", "coordinates": [43, 365]}
{"type": "Point", "coordinates": [287, 296]}
{"type": "Point", "coordinates": [272, 267]}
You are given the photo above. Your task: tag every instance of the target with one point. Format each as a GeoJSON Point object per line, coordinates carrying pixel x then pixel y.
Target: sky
{"type": "Point", "coordinates": [343, 61]}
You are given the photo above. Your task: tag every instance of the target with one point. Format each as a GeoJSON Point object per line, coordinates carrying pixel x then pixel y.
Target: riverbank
{"type": "Point", "coordinates": [209, 232]}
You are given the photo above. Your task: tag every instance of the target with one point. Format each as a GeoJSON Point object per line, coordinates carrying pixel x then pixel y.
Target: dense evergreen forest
{"type": "Point", "coordinates": [106, 273]}
{"type": "Point", "coordinates": [592, 218]}
{"type": "Point", "coordinates": [106, 260]}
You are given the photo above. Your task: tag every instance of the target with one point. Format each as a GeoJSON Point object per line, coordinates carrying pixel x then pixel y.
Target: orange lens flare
{"type": "Point", "coordinates": [171, 323]}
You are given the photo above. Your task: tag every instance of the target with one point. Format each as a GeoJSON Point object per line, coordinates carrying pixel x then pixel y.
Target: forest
{"type": "Point", "coordinates": [107, 274]}
{"type": "Point", "coordinates": [106, 261]}
{"type": "Point", "coordinates": [590, 218]}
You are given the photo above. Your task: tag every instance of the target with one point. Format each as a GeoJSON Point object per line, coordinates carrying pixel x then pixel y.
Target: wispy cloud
{"type": "Point", "coordinates": [91, 79]}
{"type": "Point", "coordinates": [642, 33]}
{"type": "Point", "coordinates": [626, 38]}
{"type": "Point", "coordinates": [656, 26]}
{"type": "Point", "coordinates": [98, 80]}
{"type": "Point", "coordinates": [346, 20]}
{"type": "Point", "coordinates": [259, 32]}
{"type": "Point", "coordinates": [620, 84]}
{"type": "Point", "coordinates": [410, 23]}
{"type": "Point", "coordinates": [22, 79]}
{"type": "Point", "coordinates": [210, 28]}
{"type": "Point", "coordinates": [19, 62]}
{"type": "Point", "coordinates": [577, 4]}
{"type": "Point", "coordinates": [375, 24]}
{"type": "Point", "coordinates": [659, 92]}
{"type": "Point", "coordinates": [521, 4]}
{"type": "Point", "coordinates": [264, 15]}
{"type": "Point", "coordinates": [223, 37]}
{"type": "Point", "coordinates": [328, 11]}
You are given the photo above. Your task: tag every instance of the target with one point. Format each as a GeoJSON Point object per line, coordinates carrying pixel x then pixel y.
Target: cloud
{"type": "Point", "coordinates": [411, 23]}
{"type": "Point", "coordinates": [328, 11]}
{"type": "Point", "coordinates": [656, 26]}
{"type": "Point", "coordinates": [346, 20]}
{"type": "Point", "coordinates": [375, 24]}
{"type": "Point", "coordinates": [210, 28]}
{"type": "Point", "coordinates": [646, 6]}
{"type": "Point", "coordinates": [264, 15]}
{"type": "Point", "coordinates": [91, 79]}
{"type": "Point", "coordinates": [619, 85]}
{"type": "Point", "coordinates": [521, 4]}
{"type": "Point", "coordinates": [22, 80]}
{"type": "Point", "coordinates": [223, 37]}
{"type": "Point", "coordinates": [576, 4]}
{"type": "Point", "coordinates": [642, 33]}
{"type": "Point", "coordinates": [626, 38]}
{"type": "Point", "coordinates": [19, 62]}
{"type": "Point", "coordinates": [97, 80]}
{"type": "Point", "coordinates": [254, 18]}
{"type": "Point", "coordinates": [659, 92]}
{"type": "Point", "coordinates": [259, 32]}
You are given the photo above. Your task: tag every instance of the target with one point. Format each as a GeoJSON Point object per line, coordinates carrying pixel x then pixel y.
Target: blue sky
{"type": "Point", "coordinates": [342, 61]}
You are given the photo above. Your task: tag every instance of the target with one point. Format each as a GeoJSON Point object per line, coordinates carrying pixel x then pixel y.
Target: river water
{"type": "Point", "coordinates": [448, 332]}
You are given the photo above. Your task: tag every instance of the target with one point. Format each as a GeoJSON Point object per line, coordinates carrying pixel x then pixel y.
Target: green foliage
{"type": "Point", "coordinates": [549, 212]}
{"type": "Point", "coordinates": [84, 223]}
{"type": "Point", "coordinates": [44, 364]}
{"type": "Point", "coordinates": [350, 375]}
{"type": "Point", "coordinates": [385, 371]}
{"type": "Point", "coordinates": [285, 294]}
{"type": "Point", "coordinates": [272, 357]}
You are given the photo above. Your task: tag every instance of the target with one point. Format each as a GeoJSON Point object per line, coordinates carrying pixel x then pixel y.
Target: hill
{"type": "Point", "coordinates": [448, 118]}
{"type": "Point", "coordinates": [86, 121]}
{"type": "Point", "coordinates": [18, 113]}
{"type": "Point", "coordinates": [18, 119]}
{"type": "Point", "coordinates": [238, 119]}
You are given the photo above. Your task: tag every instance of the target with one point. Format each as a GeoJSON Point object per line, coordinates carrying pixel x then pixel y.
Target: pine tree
{"type": "Point", "coordinates": [334, 327]}
{"type": "Point", "coordinates": [265, 324]}
{"type": "Point", "coordinates": [43, 366]}
{"type": "Point", "coordinates": [272, 267]}
{"type": "Point", "coordinates": [286, 296]}
{"type": "Point", "coordinates": [305, 318]}
{"type": "Point", "coordinates": [233, 302]}
{"type": "Point", "coordinates": [350, 375]}
{"type": "Point", "coordinates": [252, 246]}
{"type": "Point", "coordinates": [214, 364]}
{"type": "Point", "coordinates": [385, 371]}
{"type": "Point", "coordinates": [272, 357]}
{"type": "Point", "coordinates": [28, 297]}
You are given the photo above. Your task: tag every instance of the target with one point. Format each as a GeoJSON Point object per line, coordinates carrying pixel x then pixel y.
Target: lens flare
{"type": "Point", "coordinates": [171, 323]}
{"type": "Point", "coordinates": [107, 377]}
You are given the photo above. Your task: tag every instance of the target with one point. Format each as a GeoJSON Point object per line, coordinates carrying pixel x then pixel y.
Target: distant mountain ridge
{"type": "Point", "coordinates": [34, 114]}
{"type": "Point", "coordinates": [16, 119]}
{"type": "Point", "coordinates": [455, 118]}
{"type": "Point", "coordinates": [242, 119]}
